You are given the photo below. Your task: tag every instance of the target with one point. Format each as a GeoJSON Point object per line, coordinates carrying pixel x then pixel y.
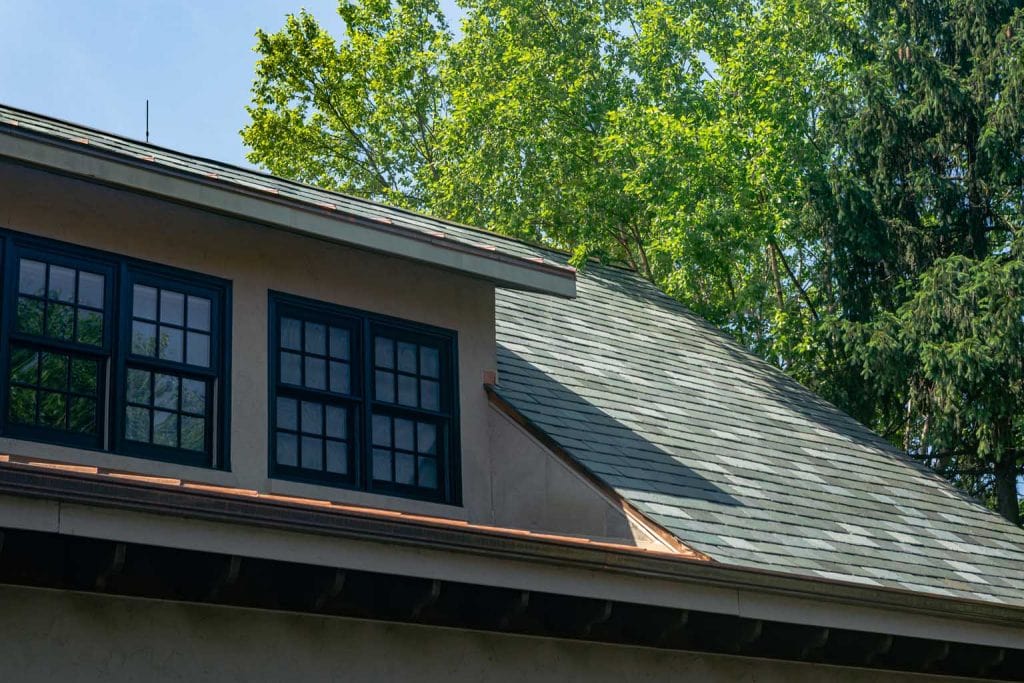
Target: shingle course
{"type": "Point", "coordinates": [733, 457]}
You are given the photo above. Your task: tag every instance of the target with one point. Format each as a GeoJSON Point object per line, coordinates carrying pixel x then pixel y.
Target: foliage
{"type": "Point", "coordinates": [838, 183]}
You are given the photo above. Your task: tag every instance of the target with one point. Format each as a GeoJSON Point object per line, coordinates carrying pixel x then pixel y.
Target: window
{"type": "Point", "coordinates": [110, 353]}
{"type": "Point", "coordinates": [362, 401]}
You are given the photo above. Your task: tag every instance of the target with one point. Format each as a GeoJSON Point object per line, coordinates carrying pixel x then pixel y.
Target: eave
{"type": "Point", "coordinates": [442, 572]}
{"type": "Point", "coordinates": [263, 204]}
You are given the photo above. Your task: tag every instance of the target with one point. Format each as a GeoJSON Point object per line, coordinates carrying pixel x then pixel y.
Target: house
{"type": "Point", "coordinates": [255, 430]}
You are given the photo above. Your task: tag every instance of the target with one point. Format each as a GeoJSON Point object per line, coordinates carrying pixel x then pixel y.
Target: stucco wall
{"type": "Point", "coordinates": [256, 260]}
{"type": "Point", "coordinates": [51, 635]}
{"type": "Point", "coordinates": [507, 478]}
{"type": "Point", "coordinates": [535, 489]}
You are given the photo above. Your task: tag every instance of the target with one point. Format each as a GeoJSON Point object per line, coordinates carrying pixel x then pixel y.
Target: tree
{"type": "Point", "coordinates": [837, 183]}
{"type": "Point", "coordinates": [356, 116]}
{"type": "Point", "coordinates": [923, 216]}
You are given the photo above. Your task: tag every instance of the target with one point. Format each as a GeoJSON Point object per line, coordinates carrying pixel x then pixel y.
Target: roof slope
{"type": "Point", "coordinates": [732, 456]}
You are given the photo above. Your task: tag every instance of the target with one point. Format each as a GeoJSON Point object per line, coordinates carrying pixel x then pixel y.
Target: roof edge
{"type": "Point", "coordinates": [749, 593]}
{"type": "Point", "coordinates": [321, 221]}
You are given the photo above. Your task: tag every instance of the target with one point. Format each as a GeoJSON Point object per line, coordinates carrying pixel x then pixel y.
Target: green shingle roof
{"type": "Point", "coordinates": [732, 456]}
{"type": "Point", "coordinates": [721, 449]}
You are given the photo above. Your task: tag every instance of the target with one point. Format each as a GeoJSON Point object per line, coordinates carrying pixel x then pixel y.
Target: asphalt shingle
{"type": "Point", "coordinates": [721, 449]}
{"type": "Point", "coordinates": [733, 457]}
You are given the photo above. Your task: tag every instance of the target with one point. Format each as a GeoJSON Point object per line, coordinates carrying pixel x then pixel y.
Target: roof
{"type": "Point", "coordinates": [249, 194]}
{"type": "Point", "coordinates": [724, 451]}
{"type": "Point", "coordinates": [732, 456]}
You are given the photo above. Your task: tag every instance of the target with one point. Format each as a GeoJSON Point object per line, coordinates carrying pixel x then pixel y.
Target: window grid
{"type": "Point", "coordinates": [167, 322]}
{"type": "Point", "coordinates": [66, 381]}
{"type": "Point", "coordinates": [52, 389]}
{"type": "Point", "coordinates": [166, 410]}
{"type": "Point", "coordinates": [60, 302]}
{"type": "Point", "coordinates": [410, 440]}
{"type": "Point", "coordinates": [316, 398]}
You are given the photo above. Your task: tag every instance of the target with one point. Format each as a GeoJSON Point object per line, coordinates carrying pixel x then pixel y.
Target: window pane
{"type": "Point", "coordinates": [60, 321]}
{"type": "Point", "coordinates": [137, 424]}
{"type": "Point", "coordinates": [32, 277]}
{"type": "Point", "coordinates": [143, 338]}
{"type": "Point", "coordinates": [339, 343]}
{"type": "Point", "coordinates": [166, 392]}
{"type": "Point", "coordinates": [52, 410]}
{"type": "Point", "coordinates": [385, 386]}
{"type": "Point", "coordinates": [144, 302]}
{"type": "Point", "coordinates": [316, 373]}
{"type": "Point", "coordinates": [429, 363]}
{"type": "Point", "coordinates": [193, 433]}
{"type": "Point", "coordinates": [83, 415]}
{"type": "Point", "coordinates": [381, 465]}
{"type": "Point", "coordinates": [407, 390]}
{"type": "Point", "coordinates": [291, 368]}
{"type": "Point", "coordinates": [407, 357]}
{"type": "Point", "coordinates": [23, 405]}
{"type": "Point", "coordinates": [312, 453]}
{"type": "Point", "coordinates": [198, 349]}
{"type": "Point", "coordinates": [381, 430]}
{"type": "Point", "coordinates": [24, 364]}
{"type": "Point", "coordinates": [287, 449]}
{"type": "Point", "coordinates": [337, 457]}
{"type": "Point", "coordinates": [62, 284]}
{"type": "Point", "coordinates": [384, 352]}
{"type": "Point", "coordinates": [291, 334]}
{"type": "Point", "coordinates": [426, 438]}
{"type": "Point", "coordinates": [312, 417]}
{"type": "Point", "coordinates": [430, 395]}
{"type": "Point", "coordinates": [340, 379]}
{"type": "Point", "coordinates": [172, 341]}
{"type": "Point", "coordinates": [337, 419]}
{"type": "Point", "coordinates": [165, 428]}
{"type": "Point", "coordinates": [199, 313]}
{"type": "Point", "coordinates": [193, 396]}
{"type": "Point", "coordinates": [90, 289]}
{"type": "Point", "coordinates": [428, 473]}
{"type": "Point", "coordinates": [405, 468]}
{"type": "Point", "coordinates": [54, 374]}
{"type": "Point", "coordinates": [83, 375]}
{"type": "Point", "coordinates": [172, 307]}
{"type": "Point", "coordinates": [90, 327]}
{"type": "Point", "coordinates": [30, 316]}
{"type": "Point", "coordinates": [287, 414]}
{"type": "Point", "coordinates": [139, 390]}
{"type": "Point", "coordinates": [404, 434]}
{"type": "Point", "coordinates": [316, 339]}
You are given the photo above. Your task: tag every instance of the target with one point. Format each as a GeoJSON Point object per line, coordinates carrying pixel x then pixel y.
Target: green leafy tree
{"type": "Point", "coordinates": [923, 219]}
{"type": "Point", "coordinates": [835, 182]}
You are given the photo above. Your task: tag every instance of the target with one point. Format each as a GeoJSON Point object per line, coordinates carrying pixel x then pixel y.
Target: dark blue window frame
{"type": "Point", "coordinates": [113, 355]}
{"type": "Point", "coordinates": [362, 402]}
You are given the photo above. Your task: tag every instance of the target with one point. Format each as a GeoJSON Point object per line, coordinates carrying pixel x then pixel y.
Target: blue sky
{"type": "Point", "coordinates": [96, 62]}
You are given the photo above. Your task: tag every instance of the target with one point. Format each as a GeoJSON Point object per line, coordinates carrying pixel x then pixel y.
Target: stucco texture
{"type": "Point", "coordinates": [507, 478]}
{"type": "Point", "coordinates": [53, 635]}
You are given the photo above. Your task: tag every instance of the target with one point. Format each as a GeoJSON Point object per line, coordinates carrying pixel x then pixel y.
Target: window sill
{"type": "Point", "coordinates": [113, 461]}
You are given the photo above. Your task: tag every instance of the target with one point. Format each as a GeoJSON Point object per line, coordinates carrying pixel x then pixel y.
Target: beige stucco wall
{"type": "Point", "coordinates": [537, 490]}
{"type": "Point", "coordinates": [52, 635]}
{"type": "Point", "coordinates": [507, 479]}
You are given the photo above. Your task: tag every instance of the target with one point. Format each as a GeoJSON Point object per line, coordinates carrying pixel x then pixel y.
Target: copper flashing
{"type": "Point", "coordinates": [631, 512]}
{"type": "Point", "coordinates": [132, 478]}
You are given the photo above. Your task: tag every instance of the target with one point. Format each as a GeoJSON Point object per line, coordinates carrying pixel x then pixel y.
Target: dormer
{"type": "Point", "coordinates": [170, 316]}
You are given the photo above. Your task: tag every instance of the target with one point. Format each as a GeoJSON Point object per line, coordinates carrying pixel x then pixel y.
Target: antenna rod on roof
{"type": "Point", "coordinates": [147, 120]}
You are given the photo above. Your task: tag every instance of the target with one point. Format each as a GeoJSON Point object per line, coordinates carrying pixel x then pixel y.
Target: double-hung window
{"type": "Point", "coordinates": [109, 353]}
{"type": "Point", "coordinates": [363, 401]}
